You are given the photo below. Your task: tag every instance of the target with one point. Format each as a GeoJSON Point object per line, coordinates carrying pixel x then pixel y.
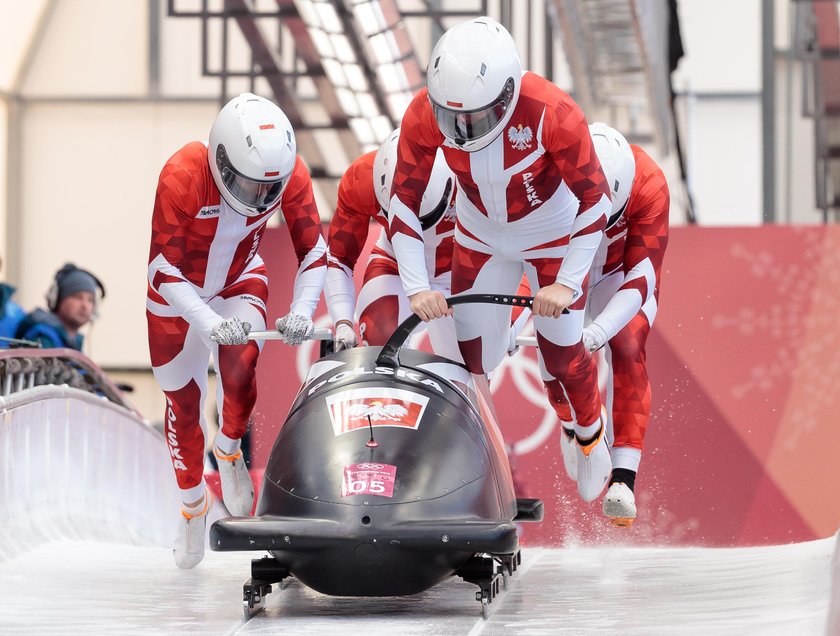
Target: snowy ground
{"type": "Point", "coordinates": [95, 588]}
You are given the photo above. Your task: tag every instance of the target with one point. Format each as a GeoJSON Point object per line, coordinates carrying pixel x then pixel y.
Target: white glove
{"type": "Point", "coordinates": [295, 328]}
{"type": "Point", "coordinates": [594, 337]}
{"type": "Point", "coordinates": [345, 336]}
{"type": "Point", "coordinates": [231, 332]}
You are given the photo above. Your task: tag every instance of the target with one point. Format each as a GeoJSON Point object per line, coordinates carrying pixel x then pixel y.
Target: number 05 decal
{"type": "Point", "coordinates": [368, 479]}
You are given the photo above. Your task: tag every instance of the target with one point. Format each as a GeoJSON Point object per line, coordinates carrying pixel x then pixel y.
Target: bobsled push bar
{"type": "Point", "coordinates": [274, 334]}
{"type": "Point", "coordinates": [389, 357]}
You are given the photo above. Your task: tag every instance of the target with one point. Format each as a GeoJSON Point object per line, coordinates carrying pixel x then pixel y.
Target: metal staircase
{"type": "Point", "coordinates": [617, 53]}
{"type": "Point", "coordinates": [816, 42]}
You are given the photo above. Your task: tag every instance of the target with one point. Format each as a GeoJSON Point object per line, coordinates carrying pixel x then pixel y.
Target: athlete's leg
{"type": "Point", "coordinates": [236, 387]}
{"type": "Point", "coordinates": [571, 377]}
{"type": "Point", "coordinates": [631, 391]}
{"type": "Point", "coordinates": [483, 330]}
{"type": "Point", "coordinates": [382, 304]}
{"type": "Point", "coordinates": [179, 362]}
{"type": "Point", "coordinates": [629, 386]}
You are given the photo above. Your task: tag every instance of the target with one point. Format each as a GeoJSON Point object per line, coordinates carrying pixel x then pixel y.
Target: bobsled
{"type": "Point", "coordinates": [388, 476]}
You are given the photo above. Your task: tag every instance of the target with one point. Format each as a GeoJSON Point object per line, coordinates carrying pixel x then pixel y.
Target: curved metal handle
{"type": "Point", "coordinates": [389, 356]}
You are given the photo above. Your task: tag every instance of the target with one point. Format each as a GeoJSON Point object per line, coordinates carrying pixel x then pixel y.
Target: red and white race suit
{"type": "Point", "coordinates": [204, 268]}
{"type": "Point", "coordinates": [534, 200]}
{"type": "Point", "coordinates": [382, 303]}
{"type": "Point", "coordinates": [623, 300]}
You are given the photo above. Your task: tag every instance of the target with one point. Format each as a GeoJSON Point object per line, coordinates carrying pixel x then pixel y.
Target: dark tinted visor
{"type": "Point", "coordinates": [469, 125]}
{"type": "Point", "coordinates": [255, 194]}
{"type": "Point", "coordinates": [615, 217]}
{"type": "Point", "coordinates": [430, 219]}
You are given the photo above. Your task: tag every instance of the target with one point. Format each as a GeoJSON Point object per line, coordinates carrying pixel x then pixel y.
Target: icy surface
{"type": "Point", "coordinates": [96, 588]}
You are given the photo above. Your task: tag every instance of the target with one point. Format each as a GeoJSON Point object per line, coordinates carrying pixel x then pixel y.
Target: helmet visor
{"type": "Point", "coordinates": [469, 125]}
{"type": "Point", "coordinates": [616, 216]}
{"type": "Point", "coordinates": [259, 195]}
{"type": "Point", "coordinates": [431, 218]}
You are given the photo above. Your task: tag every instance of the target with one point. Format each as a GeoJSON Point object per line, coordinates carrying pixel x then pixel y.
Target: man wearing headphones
{"type": "Point", "coordinates": [71, 304]}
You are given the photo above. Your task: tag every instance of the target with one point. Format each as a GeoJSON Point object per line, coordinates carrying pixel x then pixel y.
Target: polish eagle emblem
{"type": "Point", "coordinates": [519, 137]}
{"type": "Point", "coordinates": [377, 411]}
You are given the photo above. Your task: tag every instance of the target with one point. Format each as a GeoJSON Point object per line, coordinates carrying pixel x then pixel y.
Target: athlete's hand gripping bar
{"type": "Point", "coordinates": [389, 356]}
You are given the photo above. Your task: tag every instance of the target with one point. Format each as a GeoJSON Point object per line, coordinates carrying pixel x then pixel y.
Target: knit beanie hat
{"type": "Point", "coordinates": [70, 279]}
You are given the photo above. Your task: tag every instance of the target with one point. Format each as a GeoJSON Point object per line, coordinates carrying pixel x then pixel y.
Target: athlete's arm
{"type": "Point", "coordinates": [419, 141]}
{"type": "Point", "coordinates": [567, 140]}
{"type": "Point", "coordinates": [304, 225]}
{"type": "Point", "coordinates": [176, 203]}
{"type": "Point", "coordinates": [348, 233]}
{"type": "Point", "coordinates": [644, 251]}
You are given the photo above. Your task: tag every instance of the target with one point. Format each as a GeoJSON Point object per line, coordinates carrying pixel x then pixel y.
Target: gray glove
{"type": "Point", "coordinates": [345, 336]}
{"type": "Point", "coordinates": [231, 332]}
{"type": "Point", "coordinates": [594, 337]}
{"type": "Point", "coordinates": [294, 328]}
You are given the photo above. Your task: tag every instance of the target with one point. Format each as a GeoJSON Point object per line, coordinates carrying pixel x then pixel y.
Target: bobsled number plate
{"type": "Point", "coordinates": [368, 479]}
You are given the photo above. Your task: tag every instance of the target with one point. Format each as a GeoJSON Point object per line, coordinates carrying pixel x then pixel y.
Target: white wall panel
{"type": "Point", "coordinates": [17, 25]}
{"type": "Point", "coordinates": [724, 149]}
{"type": "Point", "coordinates": [90, 173]}
{"type": "Point", "coordinates": [722, 41]}
{"type": "Point", "coordinates": [92, 47]}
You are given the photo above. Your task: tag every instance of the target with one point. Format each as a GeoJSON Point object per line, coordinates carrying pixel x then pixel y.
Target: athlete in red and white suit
{"type": "Point", "coordinates": [533, 199]}
{"type": "Point", "coordinates": [624, 296]}
{"type": "Point", "coordinates": [382, 303]}
{"type": "Point", "coordinates": [624, 289]}
{"type": "Point", "coordinates": [204, 271]}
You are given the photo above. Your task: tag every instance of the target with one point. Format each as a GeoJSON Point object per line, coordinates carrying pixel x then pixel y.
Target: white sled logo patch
{"type": "Point", "coordinates": [519, 137]}
{"type": "Point", "coordinates": [350, 410]}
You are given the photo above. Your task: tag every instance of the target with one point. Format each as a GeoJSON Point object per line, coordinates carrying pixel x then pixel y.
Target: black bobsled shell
{"type": "Point", "coordinates": [451, 496]}
{"type": "Point", "coordinates": [446, 451]}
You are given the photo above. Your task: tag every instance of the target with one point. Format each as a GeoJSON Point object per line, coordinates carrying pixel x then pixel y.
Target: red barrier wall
{"type": "Point", "coordinates": [744, 362]}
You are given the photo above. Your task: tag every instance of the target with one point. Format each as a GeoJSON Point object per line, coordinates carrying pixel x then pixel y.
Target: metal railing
{"type": "Point", "coordinates": [25, 368]}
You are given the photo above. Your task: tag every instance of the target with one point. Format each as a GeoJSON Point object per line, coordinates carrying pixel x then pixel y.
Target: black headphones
{"type": "Point", "coordinates": [53, 291]}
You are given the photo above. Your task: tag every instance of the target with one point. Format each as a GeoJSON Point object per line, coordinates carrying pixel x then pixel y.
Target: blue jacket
{"type": "Point", "coordinates": [11, 314]}
{"type": "Point", "coordinates": [46, 328]}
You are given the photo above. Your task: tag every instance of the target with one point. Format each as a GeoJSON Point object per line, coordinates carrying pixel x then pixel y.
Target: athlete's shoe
{"type": "Point", "coordinates": [189, 543]}
{"type": "Point", "coordinates": [593, 464]}
{"type": "Point", "coordinates": [568, 449]}
{"type": "Point", "coordinates": [620, 504]}
{"type": "Point", "coordinates": [237, 487]}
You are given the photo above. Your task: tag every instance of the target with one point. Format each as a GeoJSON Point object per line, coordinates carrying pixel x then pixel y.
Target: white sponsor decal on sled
{"type": "Point", "coordinates": [350, 410]}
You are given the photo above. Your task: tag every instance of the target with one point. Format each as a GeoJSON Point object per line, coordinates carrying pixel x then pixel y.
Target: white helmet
{"type": "Point", "coordinates": [438, 193]}
{"type": "Point", "coordinates": [251, 153]}
{"type": "Point", "coordinates": [618, 163]}
{"type": "Point", "coordinates": [474, 77]}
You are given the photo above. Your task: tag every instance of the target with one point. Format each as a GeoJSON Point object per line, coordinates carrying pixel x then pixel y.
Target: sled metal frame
{"type": "Point", "coordinates": [490, 572]}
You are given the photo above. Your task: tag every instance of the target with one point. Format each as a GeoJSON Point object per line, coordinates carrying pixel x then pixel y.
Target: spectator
{"type": "Point", "coordinates": [71, 304]}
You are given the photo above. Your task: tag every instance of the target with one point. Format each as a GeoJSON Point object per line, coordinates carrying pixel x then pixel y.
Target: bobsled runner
{"type": "Point", "coordinates": [388, 476]}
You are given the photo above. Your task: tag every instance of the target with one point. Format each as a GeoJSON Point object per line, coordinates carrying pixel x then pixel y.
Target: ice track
{"type": "Point", "coordinates": [97, 588]}
{"type": "Point", "coordinates": [87, 511]}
